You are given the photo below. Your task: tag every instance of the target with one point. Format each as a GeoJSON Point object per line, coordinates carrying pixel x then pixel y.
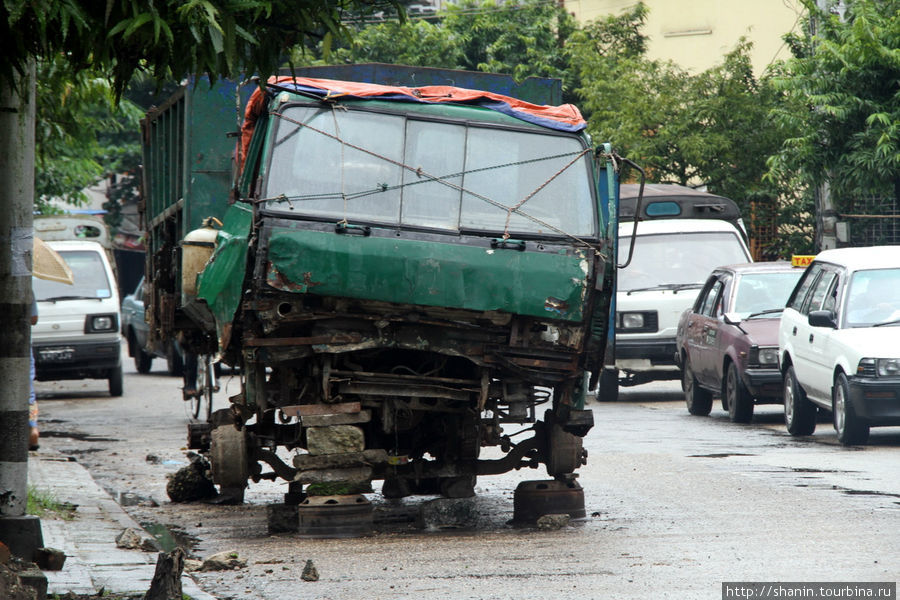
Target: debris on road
{"type": "Point", "coordinates": [191, 483]}
{"type": "Point", "coordinates": [310, 572]}
{"type": "Point", "coordinates": [223, 561]}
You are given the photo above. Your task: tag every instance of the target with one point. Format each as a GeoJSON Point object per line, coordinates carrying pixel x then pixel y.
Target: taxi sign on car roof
{"type": "Point", "coordinates": [802, 260]}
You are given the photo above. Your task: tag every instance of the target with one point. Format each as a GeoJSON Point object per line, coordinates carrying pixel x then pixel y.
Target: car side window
{"type": "Point", "coordinates": [819, 292]}
{"type": "Point", "coordinates": [832, 294]}
{"type": "Point", "coordinates": [799, 295]}
{"type": "Point", "coordinates": [709, 302]}
{"type": "Point", "coordinates": [701, 297]}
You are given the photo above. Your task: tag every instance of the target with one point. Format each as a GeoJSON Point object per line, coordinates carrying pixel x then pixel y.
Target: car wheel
{"type": "Point", "coordinates": [608, 389]}
{"type": "Point", "coordinates": [174, 361]}
{"type": "Point", "coordinates": [699, 401]}
{"type": "Point", "coordinates": [850, 429]}
{"type": "Point", "coordinates": [142, 360]}
{"type": "Point", "coordinates": [739, 400]}
{"type": "Point", "coordinates": [115, 382]}
{"type": "Point", "coordinates": [799, 412]}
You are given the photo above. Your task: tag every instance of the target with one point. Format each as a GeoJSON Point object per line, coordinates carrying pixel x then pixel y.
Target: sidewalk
{"type": "Point", "coordinates": [93, 561]}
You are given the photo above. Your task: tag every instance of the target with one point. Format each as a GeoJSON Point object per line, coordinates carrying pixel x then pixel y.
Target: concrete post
{"type": "Point", "coordinates": [22, 533]}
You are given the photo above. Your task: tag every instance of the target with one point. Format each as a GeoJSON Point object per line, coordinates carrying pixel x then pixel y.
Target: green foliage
{"type": "Point", "coordinates": [45, 505]}
{"type": "Point", "coordinates": [72, 109]}
{"type": "Point", "coordinates": [847, 83]}
{"type": "Point", "coordinates": [414, 42]}
{"type": "Point", "coordinates": [168, 38]}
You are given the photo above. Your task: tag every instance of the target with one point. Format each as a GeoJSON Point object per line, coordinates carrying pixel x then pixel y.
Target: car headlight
{"type": "Point", "coordinates": [767, 357]}
{"type": "Point", "coordinates": [632, 320]}
{"type": "Point", "coordinates": [100, 323]}
{"type": "Point", "coordinates": [887, 367]}
{"type": "Point", "coordinates": [878, 367]}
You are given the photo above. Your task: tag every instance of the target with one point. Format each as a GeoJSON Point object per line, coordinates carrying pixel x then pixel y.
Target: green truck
{"type": "Point", "coordinates": [400, 269]}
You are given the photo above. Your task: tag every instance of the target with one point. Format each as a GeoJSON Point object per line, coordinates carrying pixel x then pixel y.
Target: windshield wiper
{"type": "Point", "coordinates": [57, 298]}
{"type": "Point", "coordinates": [675, 287]}
{"type": "Point", "coordinates": [764, 312]}
{"type": "Point", "coordinates": [891, 322]}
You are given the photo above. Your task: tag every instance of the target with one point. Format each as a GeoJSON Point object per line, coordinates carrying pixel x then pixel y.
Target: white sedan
{"type": "Point", "coordinates": [838, 343]}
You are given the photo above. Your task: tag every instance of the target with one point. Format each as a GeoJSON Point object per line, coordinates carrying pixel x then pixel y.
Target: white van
{"type": "Point", "coordinates": [77, 333]}
{"type": "Point", "coordinates": [672, 259]}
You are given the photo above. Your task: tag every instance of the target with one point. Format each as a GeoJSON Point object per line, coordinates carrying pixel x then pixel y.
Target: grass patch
{"type": "Point", "coordinates": [44, 504]}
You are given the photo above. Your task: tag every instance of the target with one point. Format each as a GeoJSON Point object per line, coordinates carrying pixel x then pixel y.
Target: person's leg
{"type": "Point", "coordinates": [32, 412]}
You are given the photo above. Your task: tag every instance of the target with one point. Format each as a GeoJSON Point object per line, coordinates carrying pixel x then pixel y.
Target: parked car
{"type": "Point", "coordinates": [136, 332]}
{"type": "Point", "coordinates": [77, 333]}
{"type": "Point", "coordinates": [671, 260]}
{"type": "Point", "coordinates": [727, 342]}
{"type": "Point", "coordinates": [838, 343]}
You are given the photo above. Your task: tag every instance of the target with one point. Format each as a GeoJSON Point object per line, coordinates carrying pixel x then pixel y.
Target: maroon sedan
{"type": "Point", "coordinates": [727, 343]}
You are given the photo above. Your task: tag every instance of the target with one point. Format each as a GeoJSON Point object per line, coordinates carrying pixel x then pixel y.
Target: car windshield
{"type": "Point", "coordinates": [384, 168]}
{"type": "Point", "coordinates": [872, 297]}
{"type": "Point", "coordinates": [761, 292]}
{"type": "Point", "coordinates": [677, 259]}
{"type": "Point", "coordinates": [89, 274]}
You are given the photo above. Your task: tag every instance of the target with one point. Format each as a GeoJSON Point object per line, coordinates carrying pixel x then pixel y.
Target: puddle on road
{"type": "Point", "coordinates": [719, 455]}
{"type": "Point", "coordinates": [170, 537]}
{"type": "Point", "coordinates": [81, 437]}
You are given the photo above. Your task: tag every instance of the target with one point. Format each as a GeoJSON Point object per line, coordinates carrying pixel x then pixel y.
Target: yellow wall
{"type": "Point", "coordinates": [695, 34]}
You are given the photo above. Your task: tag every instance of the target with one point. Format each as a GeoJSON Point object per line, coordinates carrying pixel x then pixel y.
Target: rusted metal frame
{"type": "Point", "coordinates": [521, 456]}
{"type": "Point", "coordinates": [282, 470]}
{"type": "Point", "coordinates": [306, 410]}
{"type": "Point", "coordinates": [401, 377]}
{"type": "Point", "coordinates": [340, 338]}
{"type": "Point", "coordinates": [412, 391]}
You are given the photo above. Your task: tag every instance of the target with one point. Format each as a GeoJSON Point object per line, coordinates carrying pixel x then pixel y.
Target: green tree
{"type": "Point", "coordinates": [78, 133]}
{"type": "Point", "coordinates": [846, 78]}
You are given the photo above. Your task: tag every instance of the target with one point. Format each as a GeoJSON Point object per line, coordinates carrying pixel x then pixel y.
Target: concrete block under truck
{"type": "Point", "coordinates": [400, 274]}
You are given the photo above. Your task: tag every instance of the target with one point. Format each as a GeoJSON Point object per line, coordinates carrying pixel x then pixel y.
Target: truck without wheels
{"type": "Point", "coordinates": [402, 272]}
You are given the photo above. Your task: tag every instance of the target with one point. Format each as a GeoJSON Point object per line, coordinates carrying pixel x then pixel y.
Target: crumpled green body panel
{"type": "Point", "coordinates": [221, 283]}
{"type": "Point", "coordinates": [538, 284]}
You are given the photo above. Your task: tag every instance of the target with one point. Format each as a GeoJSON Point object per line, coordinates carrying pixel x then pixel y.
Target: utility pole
{"type": "Point", "coordinates": [826, 214]}
{"type": "Point", "coordinates": [20, 532]}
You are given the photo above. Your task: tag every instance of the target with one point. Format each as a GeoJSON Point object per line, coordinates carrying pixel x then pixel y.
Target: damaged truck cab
{"type": "Point", "coordinates": [401, 273]}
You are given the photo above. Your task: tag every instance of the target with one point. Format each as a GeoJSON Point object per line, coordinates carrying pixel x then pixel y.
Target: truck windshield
{"type": "Point", "coordinates": [661, 260]}
{"type": "Point", "coordinates": [89, 274]}
{"type": "Point", "coordinates": [392, 169]}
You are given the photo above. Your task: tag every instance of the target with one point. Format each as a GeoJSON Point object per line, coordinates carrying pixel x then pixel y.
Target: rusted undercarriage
{"type": "Point", "coordinates": [374, 391]}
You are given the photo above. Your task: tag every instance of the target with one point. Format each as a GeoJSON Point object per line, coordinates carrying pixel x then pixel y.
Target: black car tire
{"type": "Point", "coordinates": [115, 382]}
{"type": "Point", "coordinates": [698, 400]}
{"type": "Point", "coordinates": [142, 360]}
{"type": "Point", "coordinates": [799, 412]}
{"type": "Point", "coordinates": [608, 388]}
{"type": "Point", "coordinates": [851, 430]}
{"type": "Point", "coordinates": [740, 401]}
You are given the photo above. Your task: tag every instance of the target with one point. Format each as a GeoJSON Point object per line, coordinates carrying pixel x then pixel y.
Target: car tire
{"type": "Point", "coordinates": [851, 430]}
{"type": "Point", "coordinates": [174, 361]}
{"type": "Point", "coordinates": [115, 382]}
{"type": "Point", "coordinates": [739, 400]}
{"type": "Point", "coordinates": [608, 388]}
{"type": "Point", "coordinates": [799, 412]}
{"type": "Point", "coordinates": [698, 400]}
{"type": "Point", "coordinates": [142, 360]}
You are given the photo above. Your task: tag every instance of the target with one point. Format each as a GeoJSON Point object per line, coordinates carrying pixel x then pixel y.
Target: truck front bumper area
{"type": "Point", "coordinates": [75, 360]}
{"type": "Point", "coordinates": [658, 353]}
{"type": "Point", "coordinates": [876, 402]}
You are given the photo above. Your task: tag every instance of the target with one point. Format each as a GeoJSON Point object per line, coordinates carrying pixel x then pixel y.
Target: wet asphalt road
{"type": "Point", "coordinates": [676, 505]}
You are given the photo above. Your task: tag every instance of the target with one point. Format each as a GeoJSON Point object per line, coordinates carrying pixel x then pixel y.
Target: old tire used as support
{"type": "Point", "coordinates": [228, 455]}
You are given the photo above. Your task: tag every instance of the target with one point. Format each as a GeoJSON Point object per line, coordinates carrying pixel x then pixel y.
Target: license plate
{"type": "Point", "coordinates": [57, 354]}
